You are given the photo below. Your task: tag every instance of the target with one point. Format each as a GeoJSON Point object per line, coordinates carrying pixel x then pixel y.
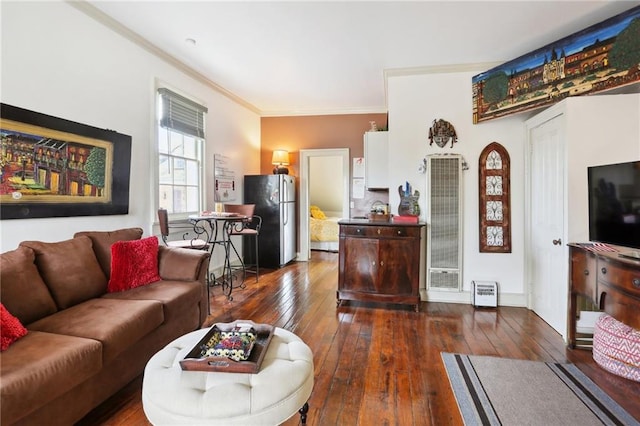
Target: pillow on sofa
{"type": "Point", "coordinates": [70, 270]}
{"type": "Point", "coordinates": [133, 264]}
{"type": "Point", "coordinates": [19, 276]}
{"type": "Point", "coordinates": [102, 241]}
{"type": "Point", "coordinates": [11, 328]}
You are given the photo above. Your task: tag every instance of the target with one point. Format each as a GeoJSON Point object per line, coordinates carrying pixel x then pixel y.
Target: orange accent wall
{"type": "Point", "coordinates": [313, 132]}
{"type": "Point", "coordinates": [294, 133]}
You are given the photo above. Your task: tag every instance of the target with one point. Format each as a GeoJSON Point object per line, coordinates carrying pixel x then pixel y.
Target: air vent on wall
{"type": "Point", "coordinates": [444, 218]}
{"type": "Point", "coordinates": [485, 293]}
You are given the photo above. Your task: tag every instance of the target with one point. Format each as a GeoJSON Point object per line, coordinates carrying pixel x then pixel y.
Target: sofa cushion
{"type": "Point", "coordinates": [19, 276]}
{"type": "Point", "coordinates": [177, 297]}
{"type": "Point", "coordinates": [102, 241]}
{"type": "Point", "coordinates": [56, 363]}
{"type": "Point", "coordinates": [10, 328]}
{"type": "Point", "coordinates": [70, 270]}
{"type": "Point", "coordinates": [133, 264]}
{"type": "Point", "coordinates": [117, 324]}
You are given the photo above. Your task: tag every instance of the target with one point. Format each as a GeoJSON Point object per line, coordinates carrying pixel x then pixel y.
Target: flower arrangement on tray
{"type": "Point", "coordinates": [235, 344]}
{"type": "Point", "coordinates": [235, 347]}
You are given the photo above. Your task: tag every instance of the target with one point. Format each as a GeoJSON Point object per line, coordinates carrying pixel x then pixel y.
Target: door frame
{"type": "Point", "coordinates": [305, 156]}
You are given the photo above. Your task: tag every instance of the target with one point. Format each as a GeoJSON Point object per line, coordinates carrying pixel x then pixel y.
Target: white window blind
{"type": "Point", "coordinates": [181, 114]}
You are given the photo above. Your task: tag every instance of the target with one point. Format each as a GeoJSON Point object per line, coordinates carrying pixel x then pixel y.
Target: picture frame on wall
{"type": "Point", "coordinates": [600, 58]}
{"type": "Point", "coordinates": [53, 167]}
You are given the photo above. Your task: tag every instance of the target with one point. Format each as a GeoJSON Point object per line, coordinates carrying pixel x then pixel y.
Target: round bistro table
{"type": "Point", "coordinates": [281, 388]}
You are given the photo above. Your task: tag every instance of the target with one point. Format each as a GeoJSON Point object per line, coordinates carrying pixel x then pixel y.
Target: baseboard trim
{"type": "Point", "coordinates": [464, 297]}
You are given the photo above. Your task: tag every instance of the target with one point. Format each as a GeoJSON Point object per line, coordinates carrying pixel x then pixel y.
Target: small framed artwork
{"type": "Point", "coordinates": [495, 199]}
{"type": "Point", "coordinates": [52, 167]}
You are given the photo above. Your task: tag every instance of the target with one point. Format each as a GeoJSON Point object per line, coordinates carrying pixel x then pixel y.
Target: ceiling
{"type": "Point", "coordinates": [332, 57]}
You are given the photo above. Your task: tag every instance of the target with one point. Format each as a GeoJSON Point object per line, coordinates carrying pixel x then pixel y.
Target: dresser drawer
{"type": "Point", "coordinates": [617, 275]}
{"type": "Point", "coordinates": [583, 273]}
{"type": "Point", "coordinates": [619, 305]}
{"type": "Point", "coordinates": [379, 231]}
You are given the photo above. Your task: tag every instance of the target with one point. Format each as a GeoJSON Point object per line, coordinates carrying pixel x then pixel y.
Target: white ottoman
{"type": "Point", "coordinates": [278, 391]}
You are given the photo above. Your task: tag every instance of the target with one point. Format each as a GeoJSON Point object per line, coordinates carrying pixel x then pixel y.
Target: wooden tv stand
{"type": "Point", "coordinates": [610, 281]}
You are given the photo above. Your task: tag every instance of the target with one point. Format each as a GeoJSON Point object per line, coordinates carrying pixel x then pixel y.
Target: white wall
{"type": "Point", "coordinates": [600, 130]}
{"type": "Point", "coordinates": [325, 184]}
{"type": "Point", "coordinates": [58, 61]}
{"type": "Point", "coordinates": [415, 101]}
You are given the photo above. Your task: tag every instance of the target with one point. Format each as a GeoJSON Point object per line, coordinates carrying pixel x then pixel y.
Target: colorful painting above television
{"type": "Point", "coordinates": [598, 58]}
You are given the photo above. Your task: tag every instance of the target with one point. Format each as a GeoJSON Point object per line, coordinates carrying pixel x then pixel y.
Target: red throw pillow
{"type": "Point", "coordinates": [10, 328]}
{"type": "Point", "coordinates": [133, 264]}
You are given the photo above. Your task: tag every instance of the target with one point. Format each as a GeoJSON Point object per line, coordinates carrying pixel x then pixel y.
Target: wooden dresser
{"type": "Point", "coordinates": [609, 281]}
{"type": "Point", "coordinates": [379, 262]}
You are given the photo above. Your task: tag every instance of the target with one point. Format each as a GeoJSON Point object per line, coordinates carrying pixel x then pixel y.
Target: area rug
{"type": "Point", "coordinates": [500, 391]}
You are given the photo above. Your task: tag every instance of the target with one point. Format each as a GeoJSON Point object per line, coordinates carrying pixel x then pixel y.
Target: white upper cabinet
{"type": "Point", "coordinates": [376, 160]}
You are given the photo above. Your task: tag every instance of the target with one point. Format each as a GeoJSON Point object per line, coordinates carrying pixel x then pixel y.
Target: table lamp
{"type": "Point", "coordinates": [280, 158]}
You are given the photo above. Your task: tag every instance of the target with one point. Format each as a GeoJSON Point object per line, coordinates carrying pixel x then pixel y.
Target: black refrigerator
{"type": "Point", "coordinates": [274, 198]}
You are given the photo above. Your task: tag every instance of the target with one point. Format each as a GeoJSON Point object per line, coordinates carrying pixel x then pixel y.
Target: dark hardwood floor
{"type": "Point", "coordinates": [379, 364]}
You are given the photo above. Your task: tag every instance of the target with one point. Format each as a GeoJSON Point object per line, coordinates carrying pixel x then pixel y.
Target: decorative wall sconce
{"type": "Point", "coordinates": [280, 158]}
{"type": "Point", "coordinates": [442, 132]}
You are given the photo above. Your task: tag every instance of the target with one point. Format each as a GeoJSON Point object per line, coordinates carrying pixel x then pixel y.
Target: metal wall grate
{"type": "Point", "coordinates": [444, 210]}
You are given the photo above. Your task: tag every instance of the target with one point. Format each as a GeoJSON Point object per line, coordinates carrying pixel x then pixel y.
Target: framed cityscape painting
{"type": "Point", "coordinates": [51, 167]}
{"type": "Point", "coordinates": [600, 58]}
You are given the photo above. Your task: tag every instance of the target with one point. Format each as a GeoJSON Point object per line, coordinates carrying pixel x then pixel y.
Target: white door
{"type": "Point", "coordinates": [547, 250]}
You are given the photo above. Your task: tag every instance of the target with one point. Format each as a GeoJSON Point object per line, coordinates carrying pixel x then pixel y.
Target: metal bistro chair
{"type": "Point", "coordinates": [189, 243]}
{"type": "Point", "coordinates": [247, 228]}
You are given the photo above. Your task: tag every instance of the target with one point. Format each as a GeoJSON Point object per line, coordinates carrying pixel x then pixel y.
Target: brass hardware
{"type": "Point", "coordinates": [378, 231]}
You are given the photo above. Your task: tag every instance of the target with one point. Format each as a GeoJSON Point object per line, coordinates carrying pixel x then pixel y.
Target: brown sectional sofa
{"type": "Point", "coordinates": [83, 343]}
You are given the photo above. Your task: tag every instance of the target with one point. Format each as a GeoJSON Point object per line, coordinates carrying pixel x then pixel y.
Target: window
{"type": "Point", "coordinates": [181, 139]}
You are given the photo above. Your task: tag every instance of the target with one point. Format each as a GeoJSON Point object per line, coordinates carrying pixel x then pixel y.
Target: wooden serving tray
{"type": "Point", "coordinates": [194, 362]}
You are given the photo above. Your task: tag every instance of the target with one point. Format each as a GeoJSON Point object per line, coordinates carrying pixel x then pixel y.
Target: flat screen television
{"type": "Point", "coordinates": [614, 204]}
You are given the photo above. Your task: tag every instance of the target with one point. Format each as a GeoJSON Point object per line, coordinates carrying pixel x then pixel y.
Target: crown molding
{"type": "Point", "coordinates": [439, 69]}
{"type": "Point", "coordinates": [134, 37]}
{"type": "Point", "coordinates": [340, 111]}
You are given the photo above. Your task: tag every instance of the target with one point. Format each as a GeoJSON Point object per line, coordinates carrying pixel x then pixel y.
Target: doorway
{"type": "Point", "coordinates": [341, 176]}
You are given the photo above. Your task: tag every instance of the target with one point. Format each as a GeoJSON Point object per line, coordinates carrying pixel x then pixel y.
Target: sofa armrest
{"type": "Point", "coordinates": [183, 264]}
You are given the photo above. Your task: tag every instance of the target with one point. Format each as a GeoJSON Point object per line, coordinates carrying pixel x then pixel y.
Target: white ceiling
{"type": "Point", "coordinates": [320, 57]}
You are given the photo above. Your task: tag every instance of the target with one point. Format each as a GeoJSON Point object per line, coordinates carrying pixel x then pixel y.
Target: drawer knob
{"type": "Point", "coordinates": [382, 263]}
{"type": "Point", "coordinates": [603, 270]}
{"type": "Point", "coordinates": [358, 230]}
{"type": "Point", "coordinates": [378, 231]}
{"type": "Point", "coordinates": [586, 272]}
{"type": "Point", "coordinates": [399, 232]}
{"type": "Point", "coordinates": [636, 282]}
